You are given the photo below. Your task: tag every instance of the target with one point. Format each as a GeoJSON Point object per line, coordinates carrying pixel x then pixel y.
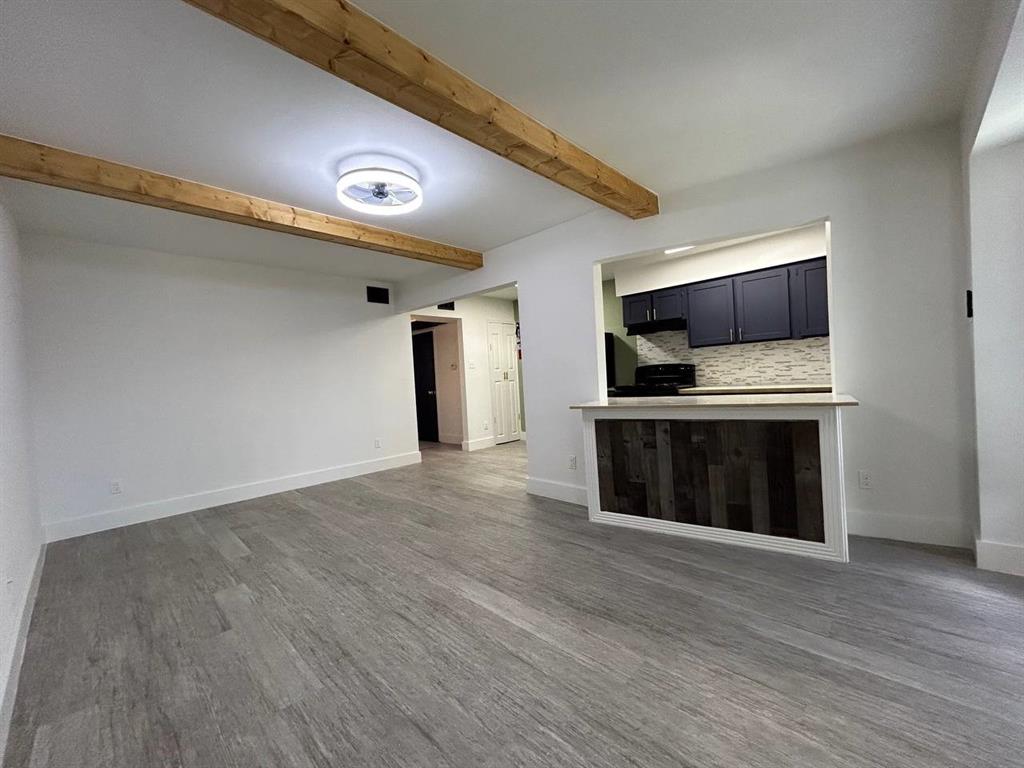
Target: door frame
{"type": "Point", "coordinates": [433, 364]}
{"type": "Point", "coordinates": [461, 357]}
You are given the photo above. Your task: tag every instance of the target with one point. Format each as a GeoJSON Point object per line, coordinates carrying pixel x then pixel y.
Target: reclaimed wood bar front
{"type": "Point", "coordinates": [762, 471]}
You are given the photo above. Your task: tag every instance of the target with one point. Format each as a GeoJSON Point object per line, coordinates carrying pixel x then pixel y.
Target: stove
{"type": "Point", "coordinates": [659, 380]}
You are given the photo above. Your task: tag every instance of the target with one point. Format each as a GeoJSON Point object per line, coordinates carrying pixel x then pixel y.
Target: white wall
{"type": "Point", "coordinates": [763, 253]}
{"type": "Point", "coordinates": [474, 313]}
{"type": "Point", "coordinates": [901, 341]}
{"type": "Point", "coordinates": [20, 532]}
{"type": "Point", "coordinates": [195, 382]}
{"type": "Point", "coordinates": [997, 274]}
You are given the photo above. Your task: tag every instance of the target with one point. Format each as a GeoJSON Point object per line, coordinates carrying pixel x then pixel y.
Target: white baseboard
{"type": "Point", "coordinates": [997, 556]}
{"type": "Point", "coordinates": [554, 489]}
{"type": "Point", "coordinates": [478, 443]}
{"type": "Point", "coordinates": [154, 510]}
{"type": "Point", "coordinates": [835, 551]}
{"type": "Point", "coordinates": [453, 438]}
{"type": "Point", "coordinates": [14, 673]}
{"type": "Point", "coordinates": [941, 531]}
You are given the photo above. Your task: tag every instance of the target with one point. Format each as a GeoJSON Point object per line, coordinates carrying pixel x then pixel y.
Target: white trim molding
{"type": "Point", "coordinates": [18, 653]}
{"type": "Point", "coordinates": [997, 556]}
{"type": "Point", "coordinates": [450, 438]}
{"type": "Point", "coordinates": [835, 547]}
{"type": "Point", "coordinates": [478, 444]}
{"type": "Point", "coordinates": [154, 510]}
{"type": "Point", "coordinates": [559, 491]}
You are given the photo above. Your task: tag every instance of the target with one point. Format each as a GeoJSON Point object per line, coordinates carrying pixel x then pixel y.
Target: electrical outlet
{"type": "Point", "coordinates": [865, 479]}
{"type": "Point", "coordinates": [377, 443]}
{"type": "Point", "coordinates": [115, 487]}
{"type": "Point", "coordinates": [572, 462]}
{"type": "Point", "coordinates": [487, 426]}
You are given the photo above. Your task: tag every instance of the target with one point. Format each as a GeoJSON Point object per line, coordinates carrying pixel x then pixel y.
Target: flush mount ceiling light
{"type": "Point", "coordinates": [680, 249]}
{"type": "Point", "coordinates": [380, 187]}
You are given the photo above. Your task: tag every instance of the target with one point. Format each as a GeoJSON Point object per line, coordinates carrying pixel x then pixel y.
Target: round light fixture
{"type": "Point", "coordinates": [379, 191]}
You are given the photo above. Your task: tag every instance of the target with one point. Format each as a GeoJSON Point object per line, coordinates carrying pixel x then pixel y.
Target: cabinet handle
{"type": "Point", "coordinates": [655, 313]}
{"type": "Point", "coordinates": [741, 333]}
{"type": "Point", "coordinates": [730, 334]}
{"type": "Point", "coordinates": [648, 315]}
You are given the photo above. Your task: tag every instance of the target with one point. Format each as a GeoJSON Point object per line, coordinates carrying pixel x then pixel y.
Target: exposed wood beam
{"type": "Point", "coordinates": [20, 159]}
{"type": "Point", "coordinates": [336, 36]}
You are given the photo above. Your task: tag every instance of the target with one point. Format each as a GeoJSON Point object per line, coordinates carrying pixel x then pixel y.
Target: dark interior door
{"type": "Point", "coordinates": [762, 305]}
{"type": "Point", "coordinates": [709, 313]}
{"type": "Point", "coordinates": [426, 385]}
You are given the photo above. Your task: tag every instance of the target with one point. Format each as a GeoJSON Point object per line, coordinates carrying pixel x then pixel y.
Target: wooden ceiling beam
{"type": "Point", "coordinates": [336, 36]}
{"type": "Point", "coordinates": [21, 159]}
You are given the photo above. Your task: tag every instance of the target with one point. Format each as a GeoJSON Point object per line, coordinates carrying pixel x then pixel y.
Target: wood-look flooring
{"type": "Point", "coordinates": [436, 615]}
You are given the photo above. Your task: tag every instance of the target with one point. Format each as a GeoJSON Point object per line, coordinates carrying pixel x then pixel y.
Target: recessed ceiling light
{"type": "Point", "coordinates": [379, 191]}
{"type": "Point", "coordinates": [680, 249]}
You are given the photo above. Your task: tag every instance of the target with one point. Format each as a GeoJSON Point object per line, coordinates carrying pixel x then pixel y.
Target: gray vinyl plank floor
{"type": "Point", "coordinates": [437, 615]}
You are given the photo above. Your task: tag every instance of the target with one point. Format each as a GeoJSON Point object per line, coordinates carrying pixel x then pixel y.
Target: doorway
{"type": "Point", "coordinates": [473, 399]}
{"type": "Point", "coordinates": [425, 385]}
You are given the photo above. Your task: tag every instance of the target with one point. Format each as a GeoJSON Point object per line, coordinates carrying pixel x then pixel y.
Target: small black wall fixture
{"type": "Point", "coordinates": [377, 295]}
{"type": "Point", "coordinates": [970, 303]}
{"type": "Point", "coordinates": [447, 305]}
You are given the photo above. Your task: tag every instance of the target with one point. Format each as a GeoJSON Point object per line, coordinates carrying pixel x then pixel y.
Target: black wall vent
{"type": "Point", "coordinates": [970, 303]}
{"type": "Point", "coordinates": [447, 305]}
{"type": "Point", "coordinates": [376, 295]}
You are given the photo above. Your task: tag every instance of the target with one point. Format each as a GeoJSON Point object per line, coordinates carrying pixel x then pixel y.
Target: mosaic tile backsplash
{"type": "Point", "coordinates": [789, 361]}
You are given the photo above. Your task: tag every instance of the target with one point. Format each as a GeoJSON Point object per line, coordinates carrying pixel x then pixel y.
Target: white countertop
{"type": "Point", "coordinates": [756, 389]}
{"type": "Point", "coordinates": [779, 400]}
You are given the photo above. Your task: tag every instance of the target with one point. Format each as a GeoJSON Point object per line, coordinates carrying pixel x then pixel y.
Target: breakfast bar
{"type": "Point", "coordinates": [759, 470]}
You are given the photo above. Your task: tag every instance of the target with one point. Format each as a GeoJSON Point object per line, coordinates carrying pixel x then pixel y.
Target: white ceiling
{"type": "Point", "coordinates": [678, 92]}
{"type": "Point", "coordinates": [1003, 121]}
{"type": "Point", "coordinates": [508, 293]}
{"type": "Point", "coordinates": [76, 215]}
{"type": "Point", "coordinates": [162, 85]}
{"type": "Point", "coordinates": [628, 263]}
{"type": "Point", "coordinates": [671, 92]}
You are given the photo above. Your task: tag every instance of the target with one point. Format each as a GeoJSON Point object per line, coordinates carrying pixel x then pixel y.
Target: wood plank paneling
{"type": "Point", "coordinates": [807, 476]}
{"type": "Point", "coordinates": [605, 469]}
{"type": "Point", "coordinates": [757, 476]}
{"type": "Point", "coordinates": [666, 486]}
{"type": "Point", "coordinates": [760, 517]}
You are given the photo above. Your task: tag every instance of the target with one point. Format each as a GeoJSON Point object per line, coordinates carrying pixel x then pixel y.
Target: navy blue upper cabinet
{"type": "Point", "coordinates": [762, 305]}
{"type": "Point", "coordinates": [636, 309]}
{"type": "Point", "coordinates": [709, 313]}
{"type": "Point", "coordinates": [808, 288]}
{"type": "Point", "coordinates": [667, 304]}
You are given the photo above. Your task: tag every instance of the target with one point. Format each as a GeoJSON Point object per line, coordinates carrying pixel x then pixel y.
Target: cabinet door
{"type": "Point", "coordinates": [667, 304]}
{"type": "Point", "coordinates": [636, 309]}
{"type": "Point", "coordinates": [809, 299]}
{"type": "Point", "coordinates": [709, 313]}
{"type": "Point", "coordinates": [762, 305]}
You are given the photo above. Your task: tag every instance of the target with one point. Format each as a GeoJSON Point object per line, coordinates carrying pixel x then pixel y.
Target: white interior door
{"type": "Point", "coordinates": [504, 367]}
